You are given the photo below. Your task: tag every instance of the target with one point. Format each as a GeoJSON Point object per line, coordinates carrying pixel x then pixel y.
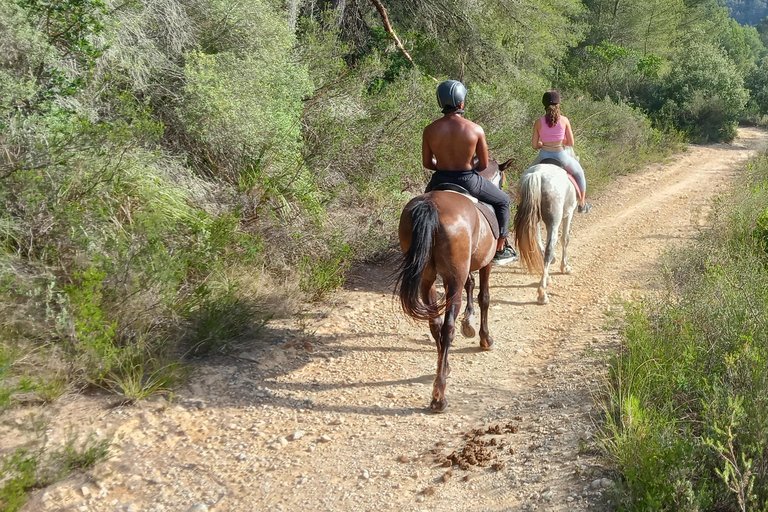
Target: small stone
{"type": "Point", "coordinates": [337, 421]}
{"type": "Point", "coordinates": [387, 473]}
{"type": "Point", "coordinates": [325, 438]}
{"type": "Point", "coordinates": [561, 430]}
{"type": "Point", "coordinates": [403, 459]}
{"type": "Point", "coordinates": [86, 491]}
{"type": "Point", "coordinates": [420, 499]}
{"type": "Point", "coordinates": [311, 448]}
{"type": "Point", "coordinates": [365, 475]}
{"type": "Point", "coordinates": [199, 507]}
{"type": "Point", "coordinates": [596, 484]}
{"type": "Point", "coordinates": [281, 441]}
{"type": "Point", "coordinates": [240, 457]}
{"type": "Point", "coordinates": [447, 475]}
{"type": "Point", "coordinates": [606, 482]}
{"type": "Point", "coordinates": [296, 435]}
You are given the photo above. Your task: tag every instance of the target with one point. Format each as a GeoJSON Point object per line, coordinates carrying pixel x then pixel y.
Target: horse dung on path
{"type": "Point", "coordinates": [547, 194]}
{"type": "Point", "coordinates": [443, 233]}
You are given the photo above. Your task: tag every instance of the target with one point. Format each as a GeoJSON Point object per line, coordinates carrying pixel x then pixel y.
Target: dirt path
{"type": "Point", "coordinates": [335, 416]}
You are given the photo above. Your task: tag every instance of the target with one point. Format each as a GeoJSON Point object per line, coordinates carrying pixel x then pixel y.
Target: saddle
{"type": "Point", "coordinates": [492, 175]}
{"type": "Point", "coordinates": [554, 161]}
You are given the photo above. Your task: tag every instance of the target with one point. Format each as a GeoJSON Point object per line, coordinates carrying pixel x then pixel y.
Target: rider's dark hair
{"type": "Point", "coordinates": [552, 115]}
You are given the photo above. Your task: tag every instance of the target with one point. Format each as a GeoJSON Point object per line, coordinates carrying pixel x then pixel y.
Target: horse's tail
{"type": "Point", "coordinates": [527, 219]}
{"type": "Point", "coordinates": [424, 223]}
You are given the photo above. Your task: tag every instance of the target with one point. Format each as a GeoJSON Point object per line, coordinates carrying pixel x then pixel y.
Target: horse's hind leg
{"type": "Point", "coordinates": [486, 342]}
{"type": "Point", "coordinates": [429, 296]}
{"type": "Point", "coordinates": [564, 267]}
{"type": "Point", "coordinates": [468, 322]}
{"type": "Point", "coordinates": [553, 226]}
{"type": "Point", "coordinates": [448, 331]}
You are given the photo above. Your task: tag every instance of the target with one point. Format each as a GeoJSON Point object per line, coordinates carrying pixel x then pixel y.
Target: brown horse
{"type": "Point", "coordinates": [443, 233]}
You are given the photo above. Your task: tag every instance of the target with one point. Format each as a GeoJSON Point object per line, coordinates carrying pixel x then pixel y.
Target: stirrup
{"type": "Point", "coordinates": [507, 255]}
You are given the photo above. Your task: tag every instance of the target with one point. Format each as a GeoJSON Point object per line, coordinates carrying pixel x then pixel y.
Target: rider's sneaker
{"type": "Point", "coordinates": [586, 208]}
{"type": "Point", "coordinates": [508, 255]}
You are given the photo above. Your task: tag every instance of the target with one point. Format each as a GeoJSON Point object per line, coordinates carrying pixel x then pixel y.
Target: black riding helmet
{"type": "Point", "coordinates": [450, 94]}
{"type": "Point", "coordinates": [551, 98]}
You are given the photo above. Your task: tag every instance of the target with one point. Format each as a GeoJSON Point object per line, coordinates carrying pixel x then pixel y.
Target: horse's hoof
{"type": "Point", "coordinates": [438, 405]}
{"type": "Point", "coordinates": [566, 270]}
{"type": "Point", "coordinates": [543, 299]}
{"type": "Point", "coordinates": [467, 329]}
{"type": "Point", "coordinates": [487, 344]}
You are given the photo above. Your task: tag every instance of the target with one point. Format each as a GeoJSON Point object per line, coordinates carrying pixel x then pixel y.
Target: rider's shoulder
{"type": "Point", "coordinates": [472, 124]}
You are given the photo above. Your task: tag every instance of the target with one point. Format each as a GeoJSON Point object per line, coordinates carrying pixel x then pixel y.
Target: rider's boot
{"type": "Point", "coordinates": [506, 255]}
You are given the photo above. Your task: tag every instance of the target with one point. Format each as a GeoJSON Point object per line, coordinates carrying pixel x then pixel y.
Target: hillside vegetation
{"type": "Point", "coordinates": [173, 173]}
{"type": "Point", "coordinates": [747, 12]}
{"type": "Point", "coordinates": [687, 412]}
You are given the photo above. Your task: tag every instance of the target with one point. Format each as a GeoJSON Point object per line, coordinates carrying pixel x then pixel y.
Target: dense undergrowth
{"type": "Point", "coordinates": [687, 422]}
{"type": "Point", "coordinates": [175, 173]}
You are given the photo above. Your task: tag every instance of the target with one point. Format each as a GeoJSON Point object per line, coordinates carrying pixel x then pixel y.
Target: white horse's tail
{"type": "Point", "coordinates": [527, 219]}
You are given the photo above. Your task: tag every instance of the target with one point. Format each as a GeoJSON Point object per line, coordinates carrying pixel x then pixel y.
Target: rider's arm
{"type": "Point", "coordinates": [536, 142]}
{"type": "Point", "coordinates": [481, 150]}
{"type": "Point", "coordinates": [568, 132]}
{"type": "Point", "coordinates": [426, 154]}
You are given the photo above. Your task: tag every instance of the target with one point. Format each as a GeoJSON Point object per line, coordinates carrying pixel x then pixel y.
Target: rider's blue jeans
{"type": "Point", "coordinates": [480, 188]}
{"type": "Point", "coordinates": [571, 165]}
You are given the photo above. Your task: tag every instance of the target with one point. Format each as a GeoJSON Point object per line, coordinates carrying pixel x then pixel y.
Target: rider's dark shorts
{"type": "Point", "coordinates": [480, 188]}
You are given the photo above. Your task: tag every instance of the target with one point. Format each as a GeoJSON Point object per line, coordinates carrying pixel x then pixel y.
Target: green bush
{"type": "Point", "coordinates": [705, 94]}
{"type": "Point", "coordinates": [27, 469]}
{"type": "Point", "coordinates": [687, 420]}
{"type": "Point", "coordinates": [757, 84]}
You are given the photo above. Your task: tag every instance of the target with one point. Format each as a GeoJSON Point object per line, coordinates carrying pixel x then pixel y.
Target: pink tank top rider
{"type": "Point", "coordinates": [551, 133]}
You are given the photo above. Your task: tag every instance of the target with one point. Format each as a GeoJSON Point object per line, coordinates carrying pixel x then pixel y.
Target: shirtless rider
{"type": "Point", "coordinates": [449, 146]}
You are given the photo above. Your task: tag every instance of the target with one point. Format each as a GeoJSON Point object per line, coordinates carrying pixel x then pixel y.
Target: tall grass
{"type": "Point", "coordinates": [687, 406]}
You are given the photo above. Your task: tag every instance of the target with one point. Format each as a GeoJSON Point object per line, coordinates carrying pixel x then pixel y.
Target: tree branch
{"type": "Point", "coordinates": [388, 28]}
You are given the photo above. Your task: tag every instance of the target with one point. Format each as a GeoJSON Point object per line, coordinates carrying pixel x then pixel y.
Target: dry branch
{"type": "Point", "coordinates": [388, 28]}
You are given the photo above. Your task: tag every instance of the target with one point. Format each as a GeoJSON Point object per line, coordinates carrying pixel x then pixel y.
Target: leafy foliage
{"type": "Point", "coordinates": [29, 468]}
{"type": "Point", "coordinates": [684, 63]}
{"type": "Point", "coordinates": [747, 12]}
{"type": "Point", "coordinates": [687, 408]}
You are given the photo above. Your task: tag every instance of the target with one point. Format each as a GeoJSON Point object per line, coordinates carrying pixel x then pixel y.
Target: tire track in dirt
{"type": "Point", "coordinates": [331, 413]}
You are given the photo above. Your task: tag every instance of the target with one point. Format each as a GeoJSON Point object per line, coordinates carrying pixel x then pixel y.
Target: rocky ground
{"type": "Point", "coordinates": [332, 412]}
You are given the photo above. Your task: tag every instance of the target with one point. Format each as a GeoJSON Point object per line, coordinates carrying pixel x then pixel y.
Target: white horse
{"type": "Point", "coordinates": [547, 194]}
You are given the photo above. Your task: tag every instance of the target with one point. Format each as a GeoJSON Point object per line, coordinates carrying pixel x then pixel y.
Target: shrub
{"type": "Point", "coordinates": [688, 405]}
{"type": "Point", "coordinates": [704, 93]}
{"type": "Point", "coordinates": [30, 468]}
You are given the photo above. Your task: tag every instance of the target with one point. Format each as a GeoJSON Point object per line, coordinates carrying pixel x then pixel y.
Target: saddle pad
{"type": "Point", "coordinates": [490, 217]}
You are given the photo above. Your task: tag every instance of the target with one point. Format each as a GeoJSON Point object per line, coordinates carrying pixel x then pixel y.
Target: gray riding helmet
{"type": "Point", "coordinates": [450, 94]}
